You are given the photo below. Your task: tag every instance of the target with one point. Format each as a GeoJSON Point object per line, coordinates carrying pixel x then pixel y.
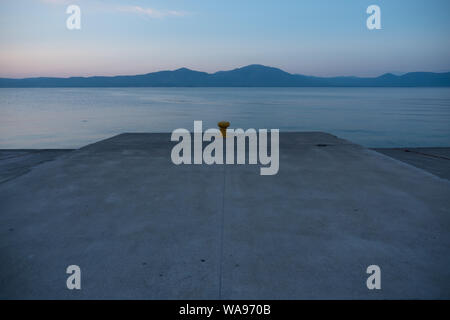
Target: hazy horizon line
{"type": "Point", "coordinates": [211, 73]}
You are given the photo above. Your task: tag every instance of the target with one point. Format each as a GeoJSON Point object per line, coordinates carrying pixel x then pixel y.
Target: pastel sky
{"type": "Point", "coordinates": [312, 37]}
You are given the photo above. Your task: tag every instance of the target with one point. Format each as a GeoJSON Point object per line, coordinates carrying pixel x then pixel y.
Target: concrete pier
{"type": "Point", "coordinates": [141, 227]}
{"type": "Point", "coordinates": [434, 160]}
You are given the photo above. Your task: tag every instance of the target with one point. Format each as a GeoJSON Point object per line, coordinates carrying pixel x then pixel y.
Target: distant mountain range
{"type": "Point", "coordinates": [249, 76]}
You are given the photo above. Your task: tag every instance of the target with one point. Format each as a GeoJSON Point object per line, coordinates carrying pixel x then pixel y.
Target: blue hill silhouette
{"type": "Point", "coordinates": [249, 76]}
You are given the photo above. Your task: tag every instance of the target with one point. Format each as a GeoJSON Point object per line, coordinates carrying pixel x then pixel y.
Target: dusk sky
{"type": "Point", "coordinates": [312, 37]}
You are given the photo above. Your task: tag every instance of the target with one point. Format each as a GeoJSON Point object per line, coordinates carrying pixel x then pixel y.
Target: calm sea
{"type": "Point", "coordinates": [373, 117]}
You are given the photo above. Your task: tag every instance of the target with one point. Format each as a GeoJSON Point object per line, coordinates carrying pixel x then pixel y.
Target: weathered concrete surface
{"type": "Point", "coordinates": [434, 160]}
{"type": "Point", "coordinates": [141, 227]}
{"type": "Point", "coordinates": [14, 163]}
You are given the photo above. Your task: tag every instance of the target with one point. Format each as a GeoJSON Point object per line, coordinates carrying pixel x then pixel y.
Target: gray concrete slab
{"type": "Point", "coordinates": [434, 160]}
{"type": "Point", "coordinates": [141, 227]}
{"type": "Point", "coordinates": [14, 163]}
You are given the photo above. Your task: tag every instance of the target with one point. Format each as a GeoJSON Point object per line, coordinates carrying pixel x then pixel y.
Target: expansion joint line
{"type": "Point", "coordinates": [221, 234]}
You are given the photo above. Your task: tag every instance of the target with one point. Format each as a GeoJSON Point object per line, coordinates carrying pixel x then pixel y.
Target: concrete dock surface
{"type": "Point", "coordinates": [141, 227]}
{"type": "Point", "coordinates": [434, 160]}
{"type": "Point", "coordinates": [14, 163]}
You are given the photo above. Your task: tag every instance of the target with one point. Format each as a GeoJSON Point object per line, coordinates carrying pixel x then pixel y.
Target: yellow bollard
{"type": "Point", "coordinates": [223, 125]}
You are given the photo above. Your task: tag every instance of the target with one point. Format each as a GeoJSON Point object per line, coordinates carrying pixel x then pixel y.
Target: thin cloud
{"type": "Point", "coordinates": [152, 13]}
{"type": "Point", "coordinates": [58, 1]}
{"type": "Point", "coordinates": [148, 12]}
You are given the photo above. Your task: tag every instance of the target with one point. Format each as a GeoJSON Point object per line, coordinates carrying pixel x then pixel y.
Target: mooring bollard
{"type": "Point", "coordinates": [223, 125]}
